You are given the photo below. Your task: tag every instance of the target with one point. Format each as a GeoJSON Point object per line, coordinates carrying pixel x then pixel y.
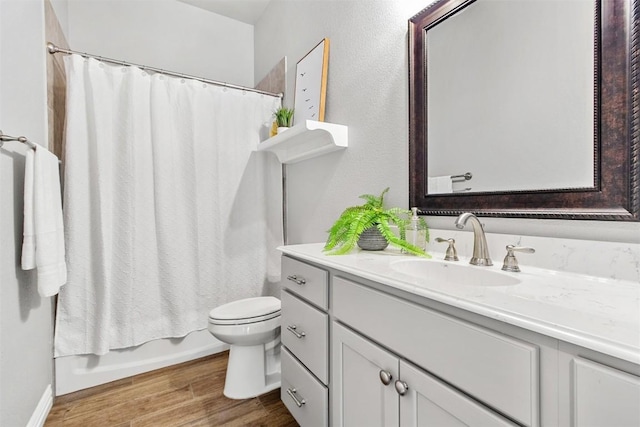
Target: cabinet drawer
{"type": "Point", "coordinates": [305, 332]}
{"type": "Point", "coordinates": [498, 370]}
{"type": "Point", "coordinates": [310, 282]}
{"type": "Point", "coordinates": [312, 406]}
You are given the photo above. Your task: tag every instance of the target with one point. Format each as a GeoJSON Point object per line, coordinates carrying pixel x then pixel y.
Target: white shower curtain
{"type": "Point", "coordinates": [168, 211]}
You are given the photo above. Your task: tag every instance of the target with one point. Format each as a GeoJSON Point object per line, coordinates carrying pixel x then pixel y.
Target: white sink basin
{"type": "Point", "coordinates": [454, 274]}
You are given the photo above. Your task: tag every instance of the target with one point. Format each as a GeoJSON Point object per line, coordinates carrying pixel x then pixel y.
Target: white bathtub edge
{"type": "Point", "coordinates": [73, 373]}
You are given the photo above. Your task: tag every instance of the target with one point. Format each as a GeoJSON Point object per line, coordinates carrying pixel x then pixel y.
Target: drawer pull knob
{"type": "Point", "coordinates": [292, 392]}
{"type": "Point", "coordinates": [292, 329]}
{"type": "Point", "coordinates": [385, 377]}
{"type": "Point", "coordinates": [297, 280]}
{"type": "Point", "coordinates": [401, 387]}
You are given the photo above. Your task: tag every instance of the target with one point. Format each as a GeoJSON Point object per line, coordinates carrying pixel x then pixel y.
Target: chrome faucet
{"type": "Point", "coordinates": [480, 249]}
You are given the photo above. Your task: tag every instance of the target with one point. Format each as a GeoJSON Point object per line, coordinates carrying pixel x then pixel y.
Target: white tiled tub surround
{"type": "Point", "coordinates": [584, 293]}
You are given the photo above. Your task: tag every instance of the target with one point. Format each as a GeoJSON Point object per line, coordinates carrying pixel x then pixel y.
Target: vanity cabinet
{"type": "Point", "coordinates": [374, 387]}
{"type": "Point", "coordinates": [359, 350]}
{"type": "Point", "coordinates": [305, 342]}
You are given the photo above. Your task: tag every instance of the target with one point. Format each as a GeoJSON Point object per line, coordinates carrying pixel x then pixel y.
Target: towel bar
{"type": "Point", "coordinates": [6, 138]}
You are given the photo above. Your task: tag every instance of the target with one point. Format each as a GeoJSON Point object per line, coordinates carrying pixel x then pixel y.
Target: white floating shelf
{"type": "Point", "coordinates": [306, 140]}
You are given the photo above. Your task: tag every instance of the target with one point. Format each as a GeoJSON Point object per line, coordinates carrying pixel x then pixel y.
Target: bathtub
{"type": "Point", "coordinates": [73, 373]}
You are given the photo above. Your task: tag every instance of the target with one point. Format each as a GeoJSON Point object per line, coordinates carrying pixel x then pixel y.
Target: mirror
{"type": "Point", "coordinates": [522, 109]}
{"type": "Point", "coordinates": [494, 62]}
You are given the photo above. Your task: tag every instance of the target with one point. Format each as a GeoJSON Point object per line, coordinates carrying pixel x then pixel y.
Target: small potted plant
{"type": "Point", "coordinates": [369, 226]}
{"type": "Point", "coordinates": [284, 118]}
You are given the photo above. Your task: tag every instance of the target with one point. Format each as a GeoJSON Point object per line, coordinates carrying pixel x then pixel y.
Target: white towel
{"type": "Point", "coordinates": [43, 235]}
{"type": "Point", "coordinates": [439, 184]}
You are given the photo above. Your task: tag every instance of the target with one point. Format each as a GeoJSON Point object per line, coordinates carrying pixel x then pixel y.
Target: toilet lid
{"type": "Point", "coordinates": [248, 310]}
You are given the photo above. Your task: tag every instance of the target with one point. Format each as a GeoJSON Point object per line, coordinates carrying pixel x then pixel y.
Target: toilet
{"type": "Point", "coordinates": [252, 328]}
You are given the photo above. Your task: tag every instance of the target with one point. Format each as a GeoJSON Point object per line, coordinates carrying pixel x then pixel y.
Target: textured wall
{"type": "Point", "coordinates": [164, 34]}
{"type": "Point", "coordinates": [368, 91]}
{"type": "Point", "coordinates": [26, 332]}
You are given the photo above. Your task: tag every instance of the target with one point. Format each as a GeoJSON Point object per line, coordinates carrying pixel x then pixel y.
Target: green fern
{"type": "Point", "coordinates": [345, 232]}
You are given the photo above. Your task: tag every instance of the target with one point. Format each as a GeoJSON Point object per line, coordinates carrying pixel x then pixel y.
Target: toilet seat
{"type": "Point", "coordinates": [245, 311]}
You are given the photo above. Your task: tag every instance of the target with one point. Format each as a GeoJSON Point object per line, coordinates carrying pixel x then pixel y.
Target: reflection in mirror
{"type": "Point", "coordinates": [540, 107]}
{"type": "Point", "coordinates": [510, 97]}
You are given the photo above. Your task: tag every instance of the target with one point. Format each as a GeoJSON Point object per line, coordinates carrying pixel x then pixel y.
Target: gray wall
{"type": "Point", "coordinates": [165, 34]}
{"type": "Point", "coordinates": [26, 355]}
{"type": "Point", "coordinates": [367, 90]}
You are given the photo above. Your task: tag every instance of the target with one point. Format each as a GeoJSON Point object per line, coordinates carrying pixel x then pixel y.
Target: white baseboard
{"type": "Point", "coordinates": [39, 416]}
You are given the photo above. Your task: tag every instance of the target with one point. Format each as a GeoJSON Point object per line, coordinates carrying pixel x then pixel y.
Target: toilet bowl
{"type": "Point", "coordinates": [252, 328]}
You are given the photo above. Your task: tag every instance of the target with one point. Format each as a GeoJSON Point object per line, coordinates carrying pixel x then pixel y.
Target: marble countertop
{"type": "Point", "coordinates": [597, 313]}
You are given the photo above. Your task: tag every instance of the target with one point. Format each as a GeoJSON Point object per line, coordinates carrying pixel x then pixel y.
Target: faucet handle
{"type": "Point", "coordinates": [451, 254]}
{"type": "Point", "coordinates": [510, 262]}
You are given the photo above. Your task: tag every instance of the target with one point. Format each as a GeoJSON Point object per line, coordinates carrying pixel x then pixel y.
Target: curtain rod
{"type": "Point", "coordinates": [53, 49]}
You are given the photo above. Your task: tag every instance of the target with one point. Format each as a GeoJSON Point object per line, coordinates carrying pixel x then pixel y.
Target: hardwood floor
{"type": "Point", "coordinates": [189, 394]}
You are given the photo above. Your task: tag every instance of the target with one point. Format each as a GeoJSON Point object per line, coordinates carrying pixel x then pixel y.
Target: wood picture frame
{"type": "Point", "coordinates": [311, 84]}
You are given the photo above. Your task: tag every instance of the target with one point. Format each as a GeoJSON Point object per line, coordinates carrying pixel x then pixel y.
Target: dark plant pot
{"type": "Point", "coordinates": [372, 240]}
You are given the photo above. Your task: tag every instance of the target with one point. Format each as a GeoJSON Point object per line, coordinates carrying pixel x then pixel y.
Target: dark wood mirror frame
{"type": "Point", "coordinates": [616, 191]}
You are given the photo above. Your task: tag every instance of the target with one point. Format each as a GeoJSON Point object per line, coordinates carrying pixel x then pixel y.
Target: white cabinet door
{"type": "Point", "coordinates": [429, 402]}
{"type": "Point", "coordinates": [360, 398]}
{"type": "Point", "coordinates": [604, 396]}
{"type": "Point", "coordinates": [358, 395]}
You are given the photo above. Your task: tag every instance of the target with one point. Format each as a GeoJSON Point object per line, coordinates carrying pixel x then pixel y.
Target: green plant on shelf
{"type": "Point", "coordinates": [284, 117]}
